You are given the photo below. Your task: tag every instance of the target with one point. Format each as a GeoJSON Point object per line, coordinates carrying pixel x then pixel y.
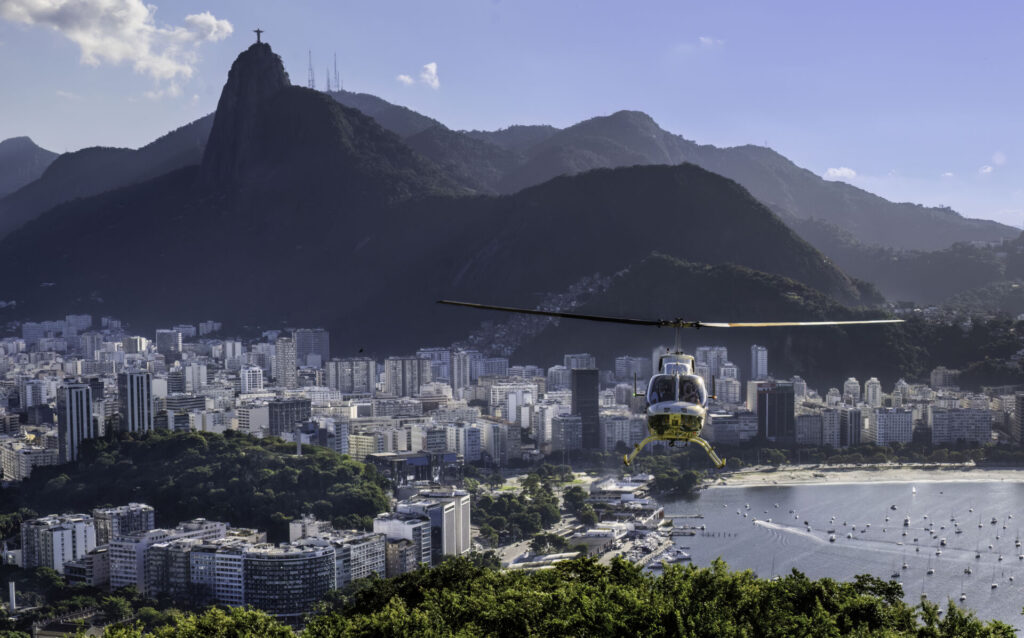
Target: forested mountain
{"type": "Point", "coordinates": [343, 225]}
{"type": "Point", "coordinates": [95, 170]}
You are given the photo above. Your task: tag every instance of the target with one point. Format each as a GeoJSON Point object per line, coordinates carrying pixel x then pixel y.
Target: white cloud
{"type": "Point", "coordinates": [842, 173]}
{"type": "Point", "coordinates": [707, 42]}
{"type": "Point", "coordinates": [985, 170]}
{"type": "Point", "coordinates": [124, 31]}
{"type": "Point", "coordinates": [947, 174]}
{"type": "Point", "coordinates": [429, 75]}
{"type": "Point", "coordinates": [998, 158]}
{"type": "Point", "coordinates": [68, 95]}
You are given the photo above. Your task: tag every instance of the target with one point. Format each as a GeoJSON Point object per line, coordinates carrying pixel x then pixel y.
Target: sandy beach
{"type": "Point", "coordinates": [886, 473]}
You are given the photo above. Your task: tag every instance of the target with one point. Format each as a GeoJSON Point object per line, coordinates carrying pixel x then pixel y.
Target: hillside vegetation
{"type": "Point", "coordinates": [235, 478]}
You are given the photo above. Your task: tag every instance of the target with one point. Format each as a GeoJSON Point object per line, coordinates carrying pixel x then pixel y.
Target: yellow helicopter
{"type": "Point", "coordinates": [677, 399]}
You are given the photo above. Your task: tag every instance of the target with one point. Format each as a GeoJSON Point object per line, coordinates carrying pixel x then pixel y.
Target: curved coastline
{"type": "Point", "coordinates": [862, 474]}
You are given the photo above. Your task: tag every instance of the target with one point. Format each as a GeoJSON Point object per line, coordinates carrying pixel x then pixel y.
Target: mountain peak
{"type": "Point", "coordinates": [256, 75]}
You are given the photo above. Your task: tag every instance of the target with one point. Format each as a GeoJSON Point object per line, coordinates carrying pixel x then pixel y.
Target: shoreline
{"type": "Point", "coordinates": [861, 474]}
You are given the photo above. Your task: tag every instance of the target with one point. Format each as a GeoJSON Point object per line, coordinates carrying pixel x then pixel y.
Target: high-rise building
{"type": "Point", "coordinates": [808, 429]}
{"type": "Point", "coordinates": [830, 424]}
{"type": "Point", "coordinates": [889, 425]}
{"type": "Point", "coordinates": [251, 379]}
{"type": "Point", "coordinates": [566, 432]}
{"type": "Point", "coordinates": [851, 426]}
{"type": "Point", "coordinates": [851, 391]}
{"type": "Point", "coordinates": [873, 392]}
{"type": "Point", "coordinates": [579, 361]}
{"type": "Point", "coordinates": [128, 551]}
{"type": "Point", "coordinates": [559, 378]}
{"type": "Point", "coordinates": [358, 555]}
{"type": "Point", "coordinates": [628, 368]}
{"type": "Point", "coordinates": [714, 357]}
{"type": "Point", "coordinates": [403, 376]}
{"type": "Point", "coordinates": [943, 377]}
{"type": "Point", "coordinates": [758, 362]}
{"type": "Point", "coordinates": [776, 412]}
{"type": "Point", "coordinates": [411, 528]}
{"type": "Point", "coordinates": [112, 522]}
{"type": "Point", "coordinates": [168, 343]}
{"type": "Point", "coordinates": [950, 425]}
{"type": "Point", "coordinates": [53, 540]}
{"type": "Point", "coordinates": [74, 419]}
{"type": "Point", "coordinates": [135, 395]}
{"type": "Point", "coordinates": [315, 341]}
{"type": "Point", "coordinates": [352, 376]}
{"type": "Point", "coordinates": [285, 359]}
{"type": "Point", "coordinates": [585, 404]}
{"type": "Point", "coordinates": [284, 414]}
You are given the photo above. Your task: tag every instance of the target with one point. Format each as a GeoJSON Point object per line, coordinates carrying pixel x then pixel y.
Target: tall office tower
{"type": "Point", "coordinates": [285, 357]}
{"type": "Point", "coordinates": [714, 357]}
{"type": "Point", "coordinates": [316, 341]}
{"type": "Point", "coordinates": [582, 361]}
{"type": "Point", "coordinates": [74, 419]}
{"type": "Point", "coordinates": [889, 425]}
{"type": "Point", "coordinates": [833, 398]}
{"type": "Point", "coordinates": [168, 343]}
{"type": "Point", "coordinates": [283, 414]}
{"type": "Point", "coordinates": [112, 522]}
{"type": "Point", "coordinates": [851, 391]}
{"type": "Point", "coordinates": [403, 376]}
{"type": "Point", "coordinates": [585, 405]}
{"type": "Point", "coordinates": [830, 424]}
{"type": "Point", "coordinates": [133, 345]}
{"type": "Point", "coordinates": [628, 368]}
{"type": "Point", "coordinates": [251, 379]}
{"type": "Point", "coordinates": [91, 342]}
{"type": "Point", "coordinates": [873, 392]}
{"type": "Point", "coordinates": [463, 368]}
{"type": "Point", "coordinates": [776, 413]}
{"type": "Point", "coordinates": [440, 362]}
{"type": "Point", "coordinates": [493, 367]}
{"type": "Point", "coordinates": [758, 362]}
{"type": "Point", "coordinates": [135, 394]}
{"type": "Point", "coordinates": [1017, 423]}
{"type": "Point", "coordinates": [32, 392]}
{"type": "Point", "coordinates": [352, 376]}
{"type": "Point", "coordinates": [851, 426]}
{"type": "Point", "coordinates": [559, 378]}
{"type": "Point", "coordinates": [195, 377]}
{"type": "Point", "coordinates": [799, 387]}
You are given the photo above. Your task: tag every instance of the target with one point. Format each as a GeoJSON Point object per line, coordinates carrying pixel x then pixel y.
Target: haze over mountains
{"type": "Point", "coordinates": [288, 207]}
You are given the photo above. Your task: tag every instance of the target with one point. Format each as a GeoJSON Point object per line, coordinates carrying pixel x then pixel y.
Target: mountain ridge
{"type": "Point", "coordinates": [22, 161]}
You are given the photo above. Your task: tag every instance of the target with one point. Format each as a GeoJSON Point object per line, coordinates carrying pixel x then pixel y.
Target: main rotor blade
{"type": "Point", "coordinates": [566, 315]}
{"type": "Point", "coordinates": [775, 324]}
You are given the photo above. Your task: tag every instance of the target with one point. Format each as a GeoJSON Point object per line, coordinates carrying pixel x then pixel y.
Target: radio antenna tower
{"type": "Point", "coordinates": [337, 82]}
{"type": "Point", "coordinates": [310, 80]}
{"type": "Point", "coordinates": [327, 76]}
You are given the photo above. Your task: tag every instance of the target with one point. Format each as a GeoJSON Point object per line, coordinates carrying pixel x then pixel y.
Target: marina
{"type": "Point", "coordinates": [922, 535]}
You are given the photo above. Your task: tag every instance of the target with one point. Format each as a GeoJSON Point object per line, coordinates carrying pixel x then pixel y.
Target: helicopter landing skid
{"type": "Point", "coordinates": [719, 463]}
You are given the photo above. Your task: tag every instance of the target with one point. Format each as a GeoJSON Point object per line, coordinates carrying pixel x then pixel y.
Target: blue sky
{"type": "Point", "coordinates": [916, 101]}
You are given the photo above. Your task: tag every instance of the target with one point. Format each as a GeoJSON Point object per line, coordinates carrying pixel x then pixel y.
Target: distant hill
{"type": "Point", "coordinates": [627, 138]}
{"type": "Point", "coordinates": [95, 170]}
{"type": "Point", "coordinates": [304, 211]}
{"type": "Point", "coordinates": [21, 162]}
{"type": "Point", "coordinates": [822, 356]}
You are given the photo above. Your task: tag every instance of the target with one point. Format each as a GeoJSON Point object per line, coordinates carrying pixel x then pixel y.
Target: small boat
{"type": "Point", "coordinates": [993, 521]}
{"type": "Point", "coordinates": [849, 536]}
{"type": "Point", "coordinates": [913, 490]}
{"type": "Point", "coordinates": [906, 521]}
{"type": "Point", "coordinates": [938, 552]}
{"type": "Point", "coordinates": [942, 542]}
{"type": "Point", "coordinates": [963, 597]}
{"type": "Point", "coordinates": [832, 538]}
{"type": "Point", "coordinates": [892, 507]}
{"type": "Point", "coordinates": [931, 570]}
{"type": "Point", "coordinates": [968, 571]}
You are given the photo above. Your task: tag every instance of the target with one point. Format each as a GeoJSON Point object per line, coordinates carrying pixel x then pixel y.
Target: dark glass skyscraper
{"type": "Point", "coordinates": [584, 384]}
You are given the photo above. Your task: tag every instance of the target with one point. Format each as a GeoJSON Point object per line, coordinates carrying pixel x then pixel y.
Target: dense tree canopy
{"type": "Point", "coordinates": [583, 598]}
{"type": "Point", "coordinates": [245, 481]}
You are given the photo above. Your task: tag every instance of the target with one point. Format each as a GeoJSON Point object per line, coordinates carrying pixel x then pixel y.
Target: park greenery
{"type": "Point", "coordinates": [235, 478]}
{"type": "Point", "coordinates": [465, 597]}
{"type": "Point", "coordinates": [507, 516]}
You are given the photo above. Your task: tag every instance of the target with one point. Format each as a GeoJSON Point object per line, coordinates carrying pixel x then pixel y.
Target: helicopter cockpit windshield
{"type": "Point", "coordinates": [662, 388]}
{"type": "Point", "coordinates": [670, 387]}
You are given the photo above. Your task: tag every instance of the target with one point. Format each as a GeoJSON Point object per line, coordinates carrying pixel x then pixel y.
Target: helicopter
{"type": "Point", "coordinates": [677, 398]}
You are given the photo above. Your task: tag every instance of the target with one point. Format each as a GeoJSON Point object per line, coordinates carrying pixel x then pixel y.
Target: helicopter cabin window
{"type": "Point", "coordinates": [691, 390]}
{"type": "Point", "coordinates": [663, 388]}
